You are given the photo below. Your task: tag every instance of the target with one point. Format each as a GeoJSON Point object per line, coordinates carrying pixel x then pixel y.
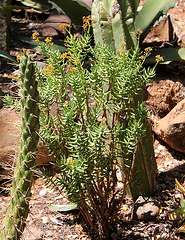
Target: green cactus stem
{"type": "Point", "coordinates": [14, 221]}
{"type": "Point", "coordinates": [145, 168]}
{"type": "Point", "coordinates": [5, 24]}
{"type": "Point", "coordinates": [114, 23]}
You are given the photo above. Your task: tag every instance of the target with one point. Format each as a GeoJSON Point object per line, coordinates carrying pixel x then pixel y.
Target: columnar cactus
{"type": "Point", "coordinates": [14, 221]}
{"type": "Point", "coordinates": [5, 23]}
{"type": "Point", "coordinates": [114, 23]}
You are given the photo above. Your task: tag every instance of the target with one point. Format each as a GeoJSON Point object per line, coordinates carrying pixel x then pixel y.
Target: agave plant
{"type": "Point", "coordinates": [119, 19]}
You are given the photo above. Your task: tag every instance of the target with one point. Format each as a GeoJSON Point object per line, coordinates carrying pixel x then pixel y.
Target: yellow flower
{"type": "Point", "coordinates": [67, 55]}
{"type": "Point", "coordinates": [159, 58]}
{"type": "Point", "coordinates": [49, 69]}
{"type": "Point", "coordinates": [16, 78]}
{"type": "Point", "coordinates": [142, 57]}
{"type": "Point", "coordinates": [138, 32]}
{"type": "Point", "coordinates": [35, 36]}
{"type": "Point", "coordinates": [49, 40]}
{"type": "Point", "coordinates": [70, 160]}
{"type": "Point", "coordinates": [87, 20]}
{"type": "Point", "coordinates": [66, 104]}
{"type": "Point", "coordinates": [103, 120]}
{"type": "Point", "coordinates": [148, 49]}
{"type": "Point", "coordinates": [77, 61]}
{"type": "Point", "coordinates": [121, 51]}
{"type": "Point", "coordinates": [19, 55]}
{"type": "Point", "coordinates": [64, 27]}
{"type": "Point", "coordinates": [122, 44]}
{"type": "Point", "coordinates": [70, 69]}
{"type": "Point", "coordinates": [64, 55]}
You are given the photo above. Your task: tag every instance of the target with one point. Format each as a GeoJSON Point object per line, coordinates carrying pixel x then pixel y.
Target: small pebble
{"type": "Point", "coordinates": [43, 192]}
{"type": "Point", "coordinates": [45, 219]}
{"type": "Point", "coordinates": [160, 147]}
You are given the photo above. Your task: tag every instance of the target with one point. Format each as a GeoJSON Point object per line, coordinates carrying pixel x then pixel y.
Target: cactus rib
{"type": "Point", "coordinates": [14, 221]}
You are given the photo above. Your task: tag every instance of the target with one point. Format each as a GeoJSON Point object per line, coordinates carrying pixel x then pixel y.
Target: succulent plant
{"type": "Point", "coordinates": [122, 18]}
{"type": "Point", "coordinates": [14, 221]}
{"type": "Point", "coordinates": [115, 25]}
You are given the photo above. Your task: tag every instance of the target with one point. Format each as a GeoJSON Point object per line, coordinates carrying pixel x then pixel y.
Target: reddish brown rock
{"type": "Point", "coordinates": [51, 27]}
{"type": "Point", "coordinates": [171, 128]}
{"type": "Point", "coordinates": [10, 123]}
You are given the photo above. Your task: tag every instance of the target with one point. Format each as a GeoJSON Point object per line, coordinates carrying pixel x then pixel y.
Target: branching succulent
{"type": "Point", "coordinates": [91, 122]}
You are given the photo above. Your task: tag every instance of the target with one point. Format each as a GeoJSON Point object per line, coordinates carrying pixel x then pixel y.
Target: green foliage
{"type": "Point", "coordinates": [41, 5]}
{"type": "Point", "coordinates": [122, 18]}
{"type": "Point", "coordinates": [14, 221]}
{"type": "Point", "coordinates": [169, 55]}
{"type": "Point", "coordinates": [7, 56]}
{"type": "Point", "coordinates": [150, 13]}
{"type": "Point", "coordinates": [91, 122]}
{"type": "Point", "coordinates": [117, 21]}
{"type": "Point", "coordinates": [179, 213]}
{"type": "Point", "coordinates": [75, 9]}
{"type": "Point", "coordinates": [108, 26]}
{"type": "Point", "coordinates": [115, 26]}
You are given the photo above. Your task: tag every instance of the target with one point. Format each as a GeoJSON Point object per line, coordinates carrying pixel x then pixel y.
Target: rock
{"type": "Point", "coordinates": [163, 95]}
{"type": "Point", "coordinates": [171, 128]}
{"type": "Point", "coordinates": [51, 27]}
{"type": "Point", "coordinates": [10, 123]}
{"type": "Point", "coordinates": [145, 209]}
{"type": "Point", "coordinates": [9, 140]}
{"type": "Point", "coordinates": [178, 28]}
{"type": "Point", "coordinates": [160, 32]}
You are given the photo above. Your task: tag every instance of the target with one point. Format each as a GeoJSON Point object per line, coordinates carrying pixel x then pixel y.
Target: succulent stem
{"type": "Point", "coordinates": [17, 212]}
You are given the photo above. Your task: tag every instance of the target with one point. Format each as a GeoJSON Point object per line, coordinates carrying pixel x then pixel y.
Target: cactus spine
{"type": "Point", "coordinates": [14, 221]}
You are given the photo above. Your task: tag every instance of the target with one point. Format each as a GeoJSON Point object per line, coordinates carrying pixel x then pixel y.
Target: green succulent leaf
{"type": "Point", "coordinates": [129, 10]}
{"type": "Point", "coordinates": [11, 7]}
{"type": "Point", "coordinates": [64, 208]}
{"type": "Point", "coordinates": [75, 9]}
{"type": "Point", "coordinates": [7, 56]}
{"type": "Point", "coordinates": [150, 13]}
{"type": "Point", "coordinates": [182, 203]}
{"type": "Point", "coordinates": [58, 43]}
{"type": "Point", "coordinates": [41, 5]}
{"type": "Point", "coordinates": [177, 214]}
{"type": "Point", "coordinates": [168, 54]}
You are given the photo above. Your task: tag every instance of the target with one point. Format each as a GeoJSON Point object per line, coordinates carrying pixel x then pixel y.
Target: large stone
{"type": "Point", "coordinates": [160, 32]}
{"type": "Point", "coordinates": [51, 27]}
{"type": "Point", "coordinates": [10, 123]}
{"type": "Point", "coordinates": [145, 209]}
{"type": "Point", "coordinates": [171, 128]}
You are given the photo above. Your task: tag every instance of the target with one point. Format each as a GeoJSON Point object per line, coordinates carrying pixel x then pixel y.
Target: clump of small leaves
{"type": "Point", "coordinates": [91, 122]}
